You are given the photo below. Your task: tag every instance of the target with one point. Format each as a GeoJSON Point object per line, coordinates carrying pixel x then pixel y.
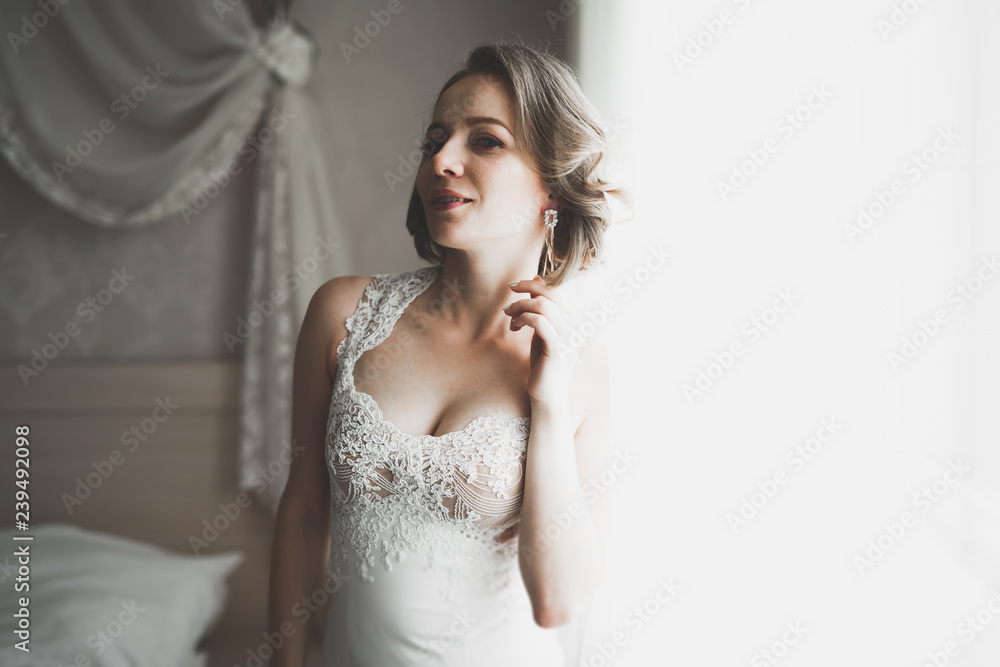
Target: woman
{"type": "Point", "coordinates": [446, 440]}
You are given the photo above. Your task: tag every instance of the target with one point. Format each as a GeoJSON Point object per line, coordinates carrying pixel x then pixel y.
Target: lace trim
{"type": "Point", "coordinates": [447, 497]}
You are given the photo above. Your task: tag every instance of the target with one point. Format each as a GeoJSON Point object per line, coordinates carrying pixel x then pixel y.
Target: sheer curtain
{"type": "Point", "coordinates": [806, 385]}
{"type": "Point", "coordinates": [131, 114]}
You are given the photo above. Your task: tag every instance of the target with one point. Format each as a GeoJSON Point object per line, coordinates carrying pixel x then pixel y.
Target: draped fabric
{"type": "Point", "coordinates": [129, 114]}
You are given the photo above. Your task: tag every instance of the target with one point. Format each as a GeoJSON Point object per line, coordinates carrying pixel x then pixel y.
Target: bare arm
{"type": "Point", "coordinates": [302, 529]}
{"type": "Point", "coordinates": [560, 550]}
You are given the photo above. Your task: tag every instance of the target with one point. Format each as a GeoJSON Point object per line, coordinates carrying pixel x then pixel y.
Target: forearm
{"type": "Point", "coordinates": [298, 555]}
{"type": "Point", "coordinates": [559, 550]}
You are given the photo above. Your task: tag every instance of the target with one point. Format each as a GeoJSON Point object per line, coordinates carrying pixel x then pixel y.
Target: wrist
{"type": "Point", "coordinates": [555, 407]}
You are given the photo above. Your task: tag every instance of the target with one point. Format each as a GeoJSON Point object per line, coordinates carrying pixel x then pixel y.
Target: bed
{"type": "Point", "coordinates": [129, 464]}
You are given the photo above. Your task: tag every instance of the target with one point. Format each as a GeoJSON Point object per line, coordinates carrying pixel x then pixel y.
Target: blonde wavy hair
{"type": "Point", "coordinates": [564, 134]}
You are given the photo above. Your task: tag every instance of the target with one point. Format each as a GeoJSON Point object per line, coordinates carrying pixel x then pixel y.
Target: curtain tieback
{"type": "Point", "coordinates": [287, 51]}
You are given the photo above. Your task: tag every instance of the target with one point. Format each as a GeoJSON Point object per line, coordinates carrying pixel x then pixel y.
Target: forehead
{"type": "Point", "coordinates": [476, 95]}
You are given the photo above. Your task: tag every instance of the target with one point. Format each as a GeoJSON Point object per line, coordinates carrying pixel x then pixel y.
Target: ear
{"type": "Point", "coordinates": [553, 202]}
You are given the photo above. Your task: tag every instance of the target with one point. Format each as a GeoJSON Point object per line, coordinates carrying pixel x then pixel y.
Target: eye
{"type": "Point", "coordinates": [429, 147]}
{"type": "Point", "coordinates": [498, 143]}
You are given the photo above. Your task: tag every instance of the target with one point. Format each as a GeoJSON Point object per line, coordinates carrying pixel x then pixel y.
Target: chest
{"type": "Point", "coordinates": [432, 385]}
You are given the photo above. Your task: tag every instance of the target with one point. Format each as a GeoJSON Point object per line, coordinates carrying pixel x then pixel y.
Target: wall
{"type": "Point", "coordinates": [190, 279]}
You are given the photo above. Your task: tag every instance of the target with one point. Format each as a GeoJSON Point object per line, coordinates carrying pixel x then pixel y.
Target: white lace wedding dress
{"type": "Point", "coordinates": [422, 578]}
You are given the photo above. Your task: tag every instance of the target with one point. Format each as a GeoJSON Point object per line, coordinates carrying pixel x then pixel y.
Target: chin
{"type": "Point", "coordinates": [445, 229]}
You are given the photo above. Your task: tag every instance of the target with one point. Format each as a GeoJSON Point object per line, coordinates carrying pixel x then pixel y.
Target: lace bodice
{"type": "Point", "coordinates": [444, 498]}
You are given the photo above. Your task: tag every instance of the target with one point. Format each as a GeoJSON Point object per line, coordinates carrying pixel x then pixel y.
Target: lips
{"type": "Point", "coordinates": [438, 194]}
{"type": "Point", "coordinates": [443, 200]}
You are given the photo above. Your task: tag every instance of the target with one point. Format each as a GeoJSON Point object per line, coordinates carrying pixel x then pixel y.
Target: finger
{"type": "Point", "coordinates": [550, 337]}
{"type": "Point", "coordinates": [534, 287]}
{"type": "Point", "coordinates": [542, 306]}
{"type": "Point", "coordinates": [552, 342]}
{"type": "Point", "coordinates": [539, 290]}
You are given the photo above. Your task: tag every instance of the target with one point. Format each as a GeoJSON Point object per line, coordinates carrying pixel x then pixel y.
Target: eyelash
{"type": "Point", "coordinates": [428, 144]}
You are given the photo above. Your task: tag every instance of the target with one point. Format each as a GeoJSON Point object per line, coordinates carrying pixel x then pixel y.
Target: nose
{"type": "Point", "coordinates": [448, 159]}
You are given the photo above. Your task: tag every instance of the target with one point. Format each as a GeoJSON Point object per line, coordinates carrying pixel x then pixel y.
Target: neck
{"type": "Point", "coordinates": [474, 292]}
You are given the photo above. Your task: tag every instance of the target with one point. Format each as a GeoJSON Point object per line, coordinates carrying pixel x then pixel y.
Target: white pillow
{"type": "Point", "coordinates": [151, 605]}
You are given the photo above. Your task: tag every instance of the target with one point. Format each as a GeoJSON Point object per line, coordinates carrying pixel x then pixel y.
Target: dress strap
{"type": "Point", "coordinates": [385, 298]}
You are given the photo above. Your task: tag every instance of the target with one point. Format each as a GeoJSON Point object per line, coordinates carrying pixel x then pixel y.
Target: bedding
{"type": "Point", "coordinates": [101, 600]}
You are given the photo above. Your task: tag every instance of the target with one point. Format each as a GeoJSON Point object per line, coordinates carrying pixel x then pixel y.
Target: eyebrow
{"type": "Point", "coordinates": [471, 120]}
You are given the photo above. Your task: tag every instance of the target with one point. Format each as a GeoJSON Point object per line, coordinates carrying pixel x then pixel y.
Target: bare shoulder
{"type": "Point", "coordinates": [326, 318]}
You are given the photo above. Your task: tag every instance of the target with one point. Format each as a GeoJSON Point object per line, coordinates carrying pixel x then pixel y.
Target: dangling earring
{"type": "Point", "coordinates": [551, 218]}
